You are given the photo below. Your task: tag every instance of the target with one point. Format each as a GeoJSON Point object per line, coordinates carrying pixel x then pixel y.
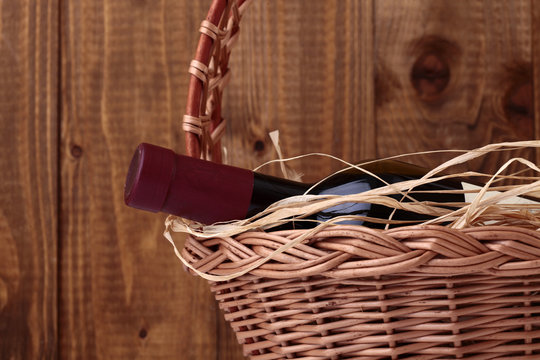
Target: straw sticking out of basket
{"type": "Point", "coordinates": [496, 209]}
{"type": "Point", "coordinates": [492, 208]}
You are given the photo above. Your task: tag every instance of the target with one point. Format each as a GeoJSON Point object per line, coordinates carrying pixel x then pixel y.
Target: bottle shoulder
{"type": "Point", "coordinates": [394, 167]}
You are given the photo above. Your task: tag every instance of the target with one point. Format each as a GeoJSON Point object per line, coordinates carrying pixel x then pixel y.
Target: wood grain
{"type": "Point", "coordinates": [535, 41]}
{"type": "Point", "coordinates": [124, 295]}
{"type": "Point", "coordinates": [28, 179]}
{"type": "Point", "coordinates": [83, 276]}
{"type": "Point", "coordinates": [304, 68]}
{"type": "Point", "coordinates": [487, 48]}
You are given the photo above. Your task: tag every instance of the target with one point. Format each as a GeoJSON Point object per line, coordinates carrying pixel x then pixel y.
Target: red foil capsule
{"type": "Point", "coordinates": [160, 180]}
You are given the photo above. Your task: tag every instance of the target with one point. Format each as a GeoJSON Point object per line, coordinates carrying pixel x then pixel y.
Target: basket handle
{"type": "Point", "coordinates": [203, 124]}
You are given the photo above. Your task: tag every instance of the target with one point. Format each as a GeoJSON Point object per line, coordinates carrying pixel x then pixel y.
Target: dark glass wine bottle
{"type": "Point", "coordinates": [160, 180]}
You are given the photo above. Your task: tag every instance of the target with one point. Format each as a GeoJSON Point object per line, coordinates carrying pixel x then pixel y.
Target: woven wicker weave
{"type": "Point", "coordinates": [422, 292]}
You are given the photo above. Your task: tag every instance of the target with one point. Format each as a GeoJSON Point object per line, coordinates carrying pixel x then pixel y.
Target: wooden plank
{"type": "Point", "coordinates": [124, 295]}
{"type": "Point", "coordinates": [452, 75]}
{"type": "Point", "coordinates": [28, 179]}
{"type": "Point", "coordinates": [535, 14]}
{"type": "Point", "coordinates": [306, 69]}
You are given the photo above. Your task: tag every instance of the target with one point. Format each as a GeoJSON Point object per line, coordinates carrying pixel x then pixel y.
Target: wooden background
{"type": "Point", "coordinates": [83, 82]}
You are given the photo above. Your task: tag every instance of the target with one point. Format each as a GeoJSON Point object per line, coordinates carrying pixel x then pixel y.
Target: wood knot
{"type": "Point", "coordinates": [518, 101]}
{"type": "Point", "coordinates": [431, 72]}
{"type": "Point", "coordinates": [76, 151]}
{"type": "Point", "coordinates": [258, 146]}
{"type": "Point", "coordinates": [3, 294]}
{"type": "Point", "coordinates": [430, 75]}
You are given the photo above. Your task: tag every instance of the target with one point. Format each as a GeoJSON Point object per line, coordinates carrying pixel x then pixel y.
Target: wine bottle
{"type": "Point", "coordinates": [160, 180]}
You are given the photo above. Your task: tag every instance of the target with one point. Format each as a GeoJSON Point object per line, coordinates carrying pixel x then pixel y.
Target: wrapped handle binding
{"type": "Point", "coordinates": [203, 124]}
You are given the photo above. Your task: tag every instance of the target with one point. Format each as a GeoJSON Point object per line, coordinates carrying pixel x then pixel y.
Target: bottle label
{"type": "Point", "coordinates": [469, 197]}
{"type": "Point", "coordinates": [350, 208]}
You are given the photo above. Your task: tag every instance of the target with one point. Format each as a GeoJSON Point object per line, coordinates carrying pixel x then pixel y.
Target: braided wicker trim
{"type": "Point", "coordinates": [348, 252]}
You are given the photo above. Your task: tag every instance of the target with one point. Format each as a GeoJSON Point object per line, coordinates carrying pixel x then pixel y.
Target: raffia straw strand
{"type": "Point", "coordinates": [277, 213]}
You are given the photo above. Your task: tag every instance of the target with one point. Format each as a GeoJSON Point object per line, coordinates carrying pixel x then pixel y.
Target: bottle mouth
{"type": "Point", "coordinates": [149, 176]}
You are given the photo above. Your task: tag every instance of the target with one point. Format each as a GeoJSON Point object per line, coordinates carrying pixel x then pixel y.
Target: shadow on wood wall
{"type": "Point", "coordinates": [82, 83]}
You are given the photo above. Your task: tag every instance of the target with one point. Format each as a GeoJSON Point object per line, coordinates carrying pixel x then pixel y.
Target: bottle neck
{"type": "Point", "coordinates": [269, 189]}
{"type": "Point", "coordinates": [208, 192]}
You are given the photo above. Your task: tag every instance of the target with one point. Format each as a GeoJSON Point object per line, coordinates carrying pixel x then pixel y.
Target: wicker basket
{"type": "Point", "coordinates": [422, 292]}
